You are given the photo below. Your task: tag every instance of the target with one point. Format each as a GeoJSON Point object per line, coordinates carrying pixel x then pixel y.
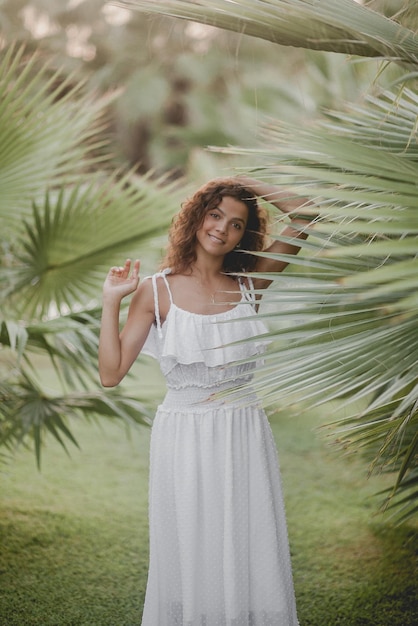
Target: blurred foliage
{"type": "Point", "coordinates": [403, 11]}
{"type": "Point", "coordinates": [182, 85]}
{"type": "Point", "coordinates": [66, 215]}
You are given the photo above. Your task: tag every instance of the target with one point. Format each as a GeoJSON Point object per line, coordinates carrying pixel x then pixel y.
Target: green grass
{"type": "Point", "coordinates": [351, 567]}
{"type": "Point", "coordinates": [75, 537]}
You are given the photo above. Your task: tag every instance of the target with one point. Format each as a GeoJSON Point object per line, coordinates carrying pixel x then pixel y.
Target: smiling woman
{"type": "Point", "coordinates": [224, 225]}
{"type": "Point", "coordinates": [219, 551]}
{"type": "Point", "coordinates": [211, 200]}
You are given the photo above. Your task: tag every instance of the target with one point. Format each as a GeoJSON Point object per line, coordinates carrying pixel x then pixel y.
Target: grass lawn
{"type": "Point", "coordinates": [74, 538]}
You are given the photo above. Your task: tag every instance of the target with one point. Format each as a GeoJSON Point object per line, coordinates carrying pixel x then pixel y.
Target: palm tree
{"type": "Point", "coordinates": [345, 321]}
{"type": "Point", "coordinates": [65, 218]}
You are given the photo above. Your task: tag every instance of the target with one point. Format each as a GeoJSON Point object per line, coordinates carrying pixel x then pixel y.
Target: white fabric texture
{"type": "Point", "coordinates": [219, 553]}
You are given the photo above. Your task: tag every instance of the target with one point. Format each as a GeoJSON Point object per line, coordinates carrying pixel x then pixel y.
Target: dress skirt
{"type": "Point", "coordinates": [219, 552]}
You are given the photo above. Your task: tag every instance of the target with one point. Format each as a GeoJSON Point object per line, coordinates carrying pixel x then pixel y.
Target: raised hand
{"type": "Point", "coordinates": [120, 281]}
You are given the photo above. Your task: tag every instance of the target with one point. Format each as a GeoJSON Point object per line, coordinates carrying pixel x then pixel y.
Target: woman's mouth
{"type": "Point", "coordinates": [216, 239]}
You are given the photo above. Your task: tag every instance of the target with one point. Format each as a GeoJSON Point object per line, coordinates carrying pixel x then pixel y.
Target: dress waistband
{"type": "Point", "coordinates": [204, 398]}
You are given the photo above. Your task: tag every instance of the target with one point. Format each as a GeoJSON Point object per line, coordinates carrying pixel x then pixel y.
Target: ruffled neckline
{"type": "Point", "coordinates": [213, 339]}
{"type": "Point", "coordinates": [205, 315]}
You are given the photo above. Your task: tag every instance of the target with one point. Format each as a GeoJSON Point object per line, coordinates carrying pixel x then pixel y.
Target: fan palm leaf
{"type": "Point", "coordinates": [47, 123]}
{"type": "Point", "coordinates": [67, 246]}
{"type": "Point", "coordinates": [26, 410]}
{"type": "Point", "coordinates": [334, 25]}
{"type": "Point", "coordinates": [346, 327]}
{"type": "Point", "coordinates": [70, 343]}
{"type": "Point", "coordinates": [64, 219]}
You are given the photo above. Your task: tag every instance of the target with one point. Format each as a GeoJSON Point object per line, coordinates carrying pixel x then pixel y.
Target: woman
{"type": "Point", "coordinates": [219, 551]}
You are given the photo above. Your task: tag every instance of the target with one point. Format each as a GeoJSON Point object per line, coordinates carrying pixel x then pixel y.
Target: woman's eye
{"type": "Point", "coordinates": [214, 215]}
{"type": "Point", "coordinates": [237, 226]}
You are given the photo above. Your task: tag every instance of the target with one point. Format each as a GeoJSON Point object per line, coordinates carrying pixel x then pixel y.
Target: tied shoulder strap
{"type": "Point", "coordinates": [154, 277]}
{"type": "Point", "coordinates": [248, 292]}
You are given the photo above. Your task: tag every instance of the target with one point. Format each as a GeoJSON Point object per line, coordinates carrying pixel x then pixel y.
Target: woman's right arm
{"type": "Point", "coordinates": [118, 350]}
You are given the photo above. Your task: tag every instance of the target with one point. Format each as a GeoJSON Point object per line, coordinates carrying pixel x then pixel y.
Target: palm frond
{"type": "Point", "coordinates": [344, 320]}
{"type": "Point", "coordinates": [48, 132]}
{"type": "Point", "coordinates": [64, 220]}
{"type": "Point", "coordinates": [334, 25]}
{"type": "Point", "coordinates": [27, 411]}
{"type": "Point", "coordinates": [70, 242]}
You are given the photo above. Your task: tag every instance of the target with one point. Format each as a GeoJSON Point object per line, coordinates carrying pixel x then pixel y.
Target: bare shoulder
{"type": "Point", "coordinates": [143, 298]}
{"type": "Point", "coordinates": [147, 296]}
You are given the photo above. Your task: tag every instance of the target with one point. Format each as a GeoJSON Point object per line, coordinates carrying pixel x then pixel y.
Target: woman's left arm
{"type": "Point", "coordinates": [300, 212]}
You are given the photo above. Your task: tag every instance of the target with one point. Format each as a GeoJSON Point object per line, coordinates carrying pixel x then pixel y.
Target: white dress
{"type": "Point", "coordinates": [219, 553]}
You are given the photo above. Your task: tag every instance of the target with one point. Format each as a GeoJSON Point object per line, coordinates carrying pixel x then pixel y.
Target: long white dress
{"type": "Point", "coordinates": [219, 553]}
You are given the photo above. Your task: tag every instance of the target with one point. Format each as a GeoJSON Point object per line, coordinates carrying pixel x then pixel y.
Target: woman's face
{"type": "Point", "coordinates": [223, 226]}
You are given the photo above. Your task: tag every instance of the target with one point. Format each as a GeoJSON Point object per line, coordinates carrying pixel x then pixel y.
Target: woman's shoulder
{"type": "Point", "coordinates": [143, 297]}
{"type": "Point", "coordinates": [152, 281]}
{"type": "Point", "coordinates": [157, 291]}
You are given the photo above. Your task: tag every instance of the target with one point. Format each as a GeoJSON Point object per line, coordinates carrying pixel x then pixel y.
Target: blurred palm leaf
{"type": "Point", "coordinates": [49, 131]}
{"type": "Point", "coordinates": [70, 342]}
{"type": "Point", "coordinates": [78, 233]}
{"type": "Point", "coordinates": [26, 410]}
{"type": "Point", "coordinates": [346, 327]}
{"type": "Point", "coordinates": [64, 220]}
{"type": "Point", "coordinates": [334, 25]}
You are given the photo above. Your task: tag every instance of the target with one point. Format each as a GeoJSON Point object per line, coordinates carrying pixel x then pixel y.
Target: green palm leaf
{"type": "Point", "coordinates": [65, 220]}
{"type": "Point", "coordinates": [49, 130]}
{"type": "Point", "coordinates": [70, 342]}
{"type": "Point", "coordinates": [72, 240]}
{"type": "Point", "coordinates": [335, 25]}
{"type": "Point", "coordinates": [347, 327]}
{"type": "Point", "coordinates": [344, 321]}
{"type": "Point", "coordinates": [27, 411]}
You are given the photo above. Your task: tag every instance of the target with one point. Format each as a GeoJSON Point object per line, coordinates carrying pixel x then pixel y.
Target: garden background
{"type": "Point", "coordinates": [110, 114]}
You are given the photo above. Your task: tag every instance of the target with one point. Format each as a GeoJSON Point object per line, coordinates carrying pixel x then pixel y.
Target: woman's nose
{"type": "Point", "coordinates": [221, 226]}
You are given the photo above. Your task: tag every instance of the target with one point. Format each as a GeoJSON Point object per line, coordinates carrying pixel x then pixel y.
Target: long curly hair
{"type": "Point", "coordinates": [181, 250]}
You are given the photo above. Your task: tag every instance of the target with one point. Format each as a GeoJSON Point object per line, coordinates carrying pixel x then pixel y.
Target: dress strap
{"type": "Point", "coordinates": [154, 277]}
{"type": "Point", "coordinates": [247, 291]}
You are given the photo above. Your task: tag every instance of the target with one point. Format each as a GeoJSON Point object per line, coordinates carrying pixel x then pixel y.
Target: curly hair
{"type": "Point", "coordinates": [181, 250]}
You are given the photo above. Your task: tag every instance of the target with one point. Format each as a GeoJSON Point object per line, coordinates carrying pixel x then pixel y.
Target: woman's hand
{"type": "Point", "coordinates": [262, 189]}
{"type": "Point", "coordinates": [298, 208]}
{"type": "Point", "coordinates": [120, 281]}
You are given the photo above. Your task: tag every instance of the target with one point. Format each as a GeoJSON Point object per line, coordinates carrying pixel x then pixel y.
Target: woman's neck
{"type": "Point", "coordinates": [207, 270]}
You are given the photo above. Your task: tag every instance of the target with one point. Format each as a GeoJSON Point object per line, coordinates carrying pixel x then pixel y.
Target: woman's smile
{"type": "Point", "coordinates": [216, 239]}
{"type": "Point", "coordinates": [224, 225]}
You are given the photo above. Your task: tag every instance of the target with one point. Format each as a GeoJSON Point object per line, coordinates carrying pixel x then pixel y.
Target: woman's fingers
{"type": "Point", "coordinates": [135, 272]}
{"type": "Point", "coordinates": [126, 268]}
{"type": "Point", "coordinates": [123, 271]}
{"type": "Point", "coordinates": [116, 272]}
